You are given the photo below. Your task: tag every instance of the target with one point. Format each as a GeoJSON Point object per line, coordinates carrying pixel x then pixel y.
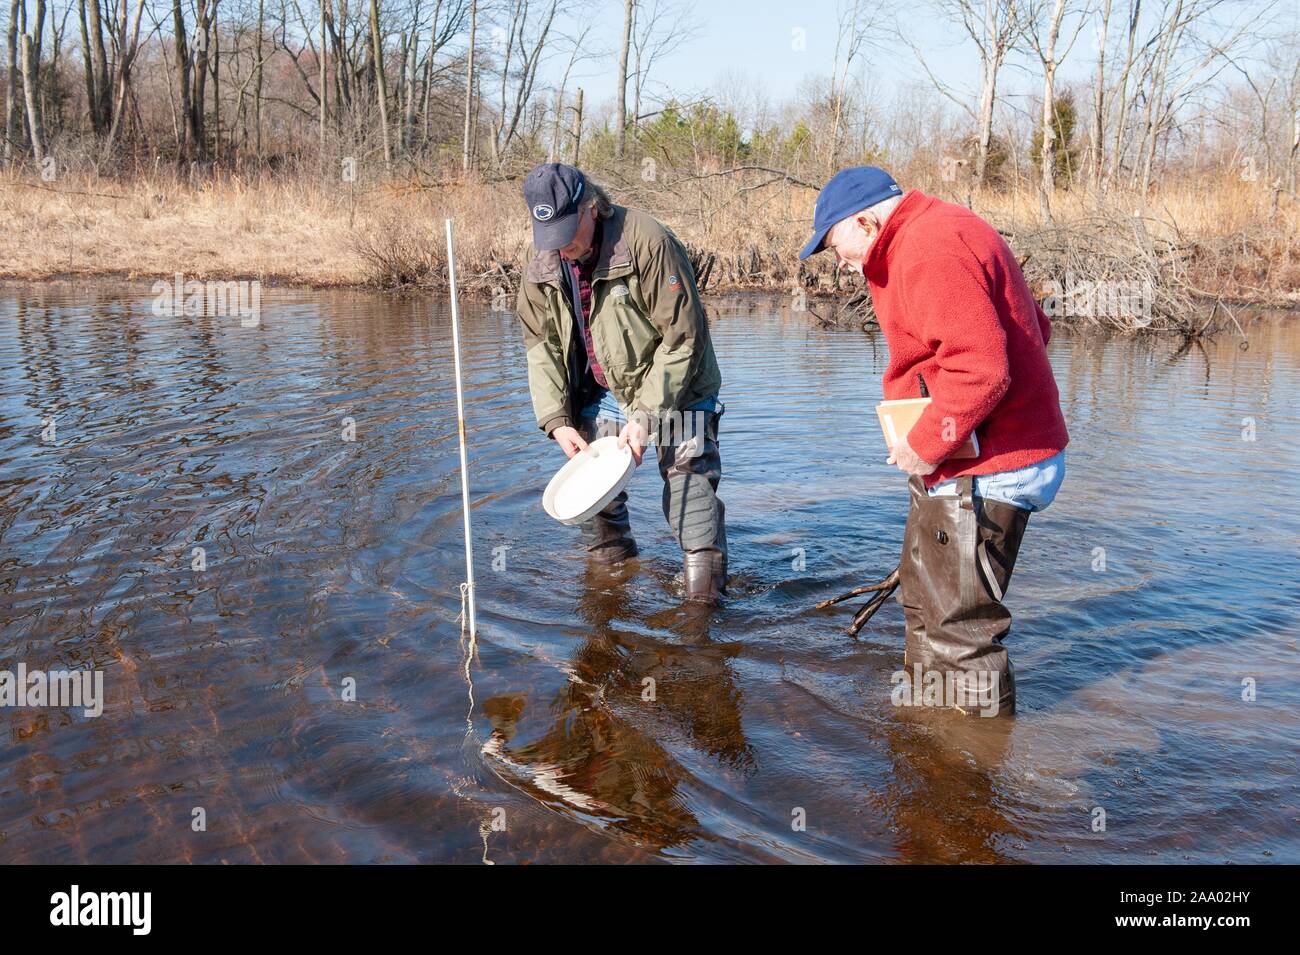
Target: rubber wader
{"type": "Point", "coordinates": [958, 555]}
{"type": "Point", "coordinates": [690, 464]}
{"type": "Point", "coordinates": [608, 535]}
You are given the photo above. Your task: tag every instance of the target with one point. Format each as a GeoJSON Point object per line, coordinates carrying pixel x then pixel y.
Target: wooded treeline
{"type": "Point", "coordinates": [492, 85]}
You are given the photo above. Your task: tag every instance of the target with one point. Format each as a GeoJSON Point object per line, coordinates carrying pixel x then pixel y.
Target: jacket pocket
{"type": "Point", "coordinates": [622, 336]}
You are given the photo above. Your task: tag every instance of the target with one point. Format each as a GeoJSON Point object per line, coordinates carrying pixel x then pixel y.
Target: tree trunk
{"type": "Point", "coordinates": [1047, 155]}
{"type": "Point", "coordinates": [988, 96]}
{"type": "Point", "coordinates": [1098, 144]}
{"type": "Point", "coordinates": [469, 88]}
{"type": "Point", "coordinates": [1295, 150]}
{"type": "Point", "coordinates": [408, 117]}
{"type": "Point", "coordinates": [1121, 111]}
{"type": "Point", "coordinates": [87, 62]}
{"type": "Point", "coordinates": [31, 91]}
{"type": "Point", "coordinates": [11, 86]}
{"type": "Point", "coordinates": [323, 82]}
{"type": "Point", "coordinates": [198, 100]}
{"type": "Point", "coordinates": [99, 106]}
{"type": "Point", "coordinates": [636, 96]}
{"type": "Point", "coordinates": [342, 90]}
{"type": "Point", "coordinates": [127, 45]}
{"type": "Point", "coordinates": [257, 82]}
{"type": "Point", "coordinates": [577, 127]}
{"type": "Point", "coordinates": [381, 82]}
{"type": "Point", "coordinates": [189, 134]}
{"type": "Point", "coordinates": [216, 84]}
{"type": "Point", "coordinates": [620, 121]}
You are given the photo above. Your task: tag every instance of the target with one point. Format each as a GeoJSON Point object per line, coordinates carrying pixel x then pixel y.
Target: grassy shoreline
{"type": "Point", "coordinates": [1192, 245]}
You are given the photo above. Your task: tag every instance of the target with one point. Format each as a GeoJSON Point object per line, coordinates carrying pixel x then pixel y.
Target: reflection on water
{"type": "Point", "coordinates": [274, 608]}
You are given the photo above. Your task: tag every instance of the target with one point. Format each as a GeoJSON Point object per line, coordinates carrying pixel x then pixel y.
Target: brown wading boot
{"type": "Point", "coordinates": [958, 555]}
{"type": "Point", "coordinates": [705, 574]}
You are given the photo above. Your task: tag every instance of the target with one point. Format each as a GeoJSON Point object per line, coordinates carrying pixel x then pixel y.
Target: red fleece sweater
{"type": "Point", "coordinates": [955, 307]}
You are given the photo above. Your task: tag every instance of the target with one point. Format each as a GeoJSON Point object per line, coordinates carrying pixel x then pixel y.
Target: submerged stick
{"type": "Point", "coordinates": [891, 581]}
{"type": "Point", "coordinates": [460, 422]}
{"type": "Point", "coordinates": [882, 592]}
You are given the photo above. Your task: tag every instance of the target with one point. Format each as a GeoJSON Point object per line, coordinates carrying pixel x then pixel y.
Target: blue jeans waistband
{"type": "Point", "coordinates": [1031, 489]}
{"type": "Point", "coordinates": [606, 406]}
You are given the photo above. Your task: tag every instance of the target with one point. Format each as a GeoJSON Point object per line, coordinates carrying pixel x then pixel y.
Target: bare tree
{"type": "Point", "coordinates": [1179, 60]}
{"type": "Point", "coordinates": [993, 26]}
{"type": "Point", "coordinates": [660, 26]}
{"type": "Point", "coordinates": [322, 56]}
{"type": "Point", "coordinates": [11, 86]}
{"type": "Point", "coordinates": [578, 51]}
{"type": "Point", "coordinates": [524, 42]}
{"type": "Point", "coordinates": [1287, 64]}
{"type": "Point", "coordinates": [381, 82]}
{"type": "Point", "coordinates": [620, 120]}
{"type": "Point", "coordinates": [96, 61]}
{"type": "Point", "coordinates": [30, 70]}
{"type": "Point", "coordinates": [1097, 145]}
{"type": "Point", "coordinates": [469, 86]}
{"type": "Point", "coordinates": [860, 26]}
{"type": "Point", "coordinates": [1042, 26]}
{"type": "Point", "coordinates": [188, 131]}
{"type": "Point", "coordinates": [126, 40]}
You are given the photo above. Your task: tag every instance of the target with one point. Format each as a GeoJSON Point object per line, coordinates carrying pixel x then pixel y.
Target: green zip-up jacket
{"type": "Point", "coordinates": [648, 327]}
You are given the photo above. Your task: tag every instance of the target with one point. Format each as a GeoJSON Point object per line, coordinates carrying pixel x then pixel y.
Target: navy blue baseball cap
{"type": "Point", "coordinates": [554, 193]}
{"type": "Point", "coordinates": [849, 191]}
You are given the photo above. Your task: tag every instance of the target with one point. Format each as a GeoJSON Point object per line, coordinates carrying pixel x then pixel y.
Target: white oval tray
{"type": "Point", "coordinates": [589, 481]}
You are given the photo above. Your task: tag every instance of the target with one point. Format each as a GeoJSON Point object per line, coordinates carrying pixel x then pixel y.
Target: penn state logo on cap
{"type": "Point", "coordinates": [553, 193]}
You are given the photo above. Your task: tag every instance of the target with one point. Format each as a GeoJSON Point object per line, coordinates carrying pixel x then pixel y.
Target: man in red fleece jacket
{"type": "Point", "coordinates": [964, 328]}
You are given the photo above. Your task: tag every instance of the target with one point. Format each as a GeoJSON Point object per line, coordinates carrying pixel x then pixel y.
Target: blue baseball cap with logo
{"type": "Point", "coordinates": [554, 192]}
{"type": "Point", "coordinates": [849, 191]}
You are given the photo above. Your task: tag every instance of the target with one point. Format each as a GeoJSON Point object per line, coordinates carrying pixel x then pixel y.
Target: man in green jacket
{"type": "Point", "coordinates": [618, 342]}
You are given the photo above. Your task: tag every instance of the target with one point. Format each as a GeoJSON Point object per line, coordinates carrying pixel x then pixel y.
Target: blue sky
{"type": "Point", "coordinates": [751, 42]}
{"type": "Point", "coordinates": [755, 40]}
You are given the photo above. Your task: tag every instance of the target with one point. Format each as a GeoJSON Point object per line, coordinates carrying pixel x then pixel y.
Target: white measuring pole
{"type": "Point", "coordinates": [460, 421]}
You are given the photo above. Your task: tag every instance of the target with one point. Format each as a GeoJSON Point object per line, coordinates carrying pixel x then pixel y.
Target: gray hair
{"type": "Point", "coordinates": [883, 208]}
{"type": "Point", "coordinates": [598, 197]}
{"type": "Point", "coordinates": [880, 211]}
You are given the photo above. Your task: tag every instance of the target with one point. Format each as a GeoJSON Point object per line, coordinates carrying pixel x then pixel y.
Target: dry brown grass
{"type": "Point", "coordinates": [1224, 235]}
{"type": "Point", "coordinates": [1220, 237]}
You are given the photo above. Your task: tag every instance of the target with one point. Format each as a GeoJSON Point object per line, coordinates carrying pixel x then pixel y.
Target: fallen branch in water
{"type": "Point", "coordinates": [882, 591]}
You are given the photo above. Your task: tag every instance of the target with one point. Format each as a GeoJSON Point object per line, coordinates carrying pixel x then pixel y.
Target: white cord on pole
{"type": "Point", "coordinates": [460, 420]}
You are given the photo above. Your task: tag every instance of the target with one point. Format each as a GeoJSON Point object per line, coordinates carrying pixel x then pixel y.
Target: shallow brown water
{"type": "Point", "coordinates": [330, 560]}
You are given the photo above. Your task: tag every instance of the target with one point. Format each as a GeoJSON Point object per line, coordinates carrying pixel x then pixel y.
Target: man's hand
{"type": "Point", "coordinates": [908, 461]}
{"type": "Point", "coordinates": [633, 436]}
{"type": "Point", "coordinates": [569, 440]}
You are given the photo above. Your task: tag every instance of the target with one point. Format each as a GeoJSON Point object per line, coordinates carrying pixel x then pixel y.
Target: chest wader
{"type": "Point", "coordinates": [690, 463]}
{"type": "Point", "coordinates": [958, 555]}
{"type": "Point", "coordinates": [608, 535]}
